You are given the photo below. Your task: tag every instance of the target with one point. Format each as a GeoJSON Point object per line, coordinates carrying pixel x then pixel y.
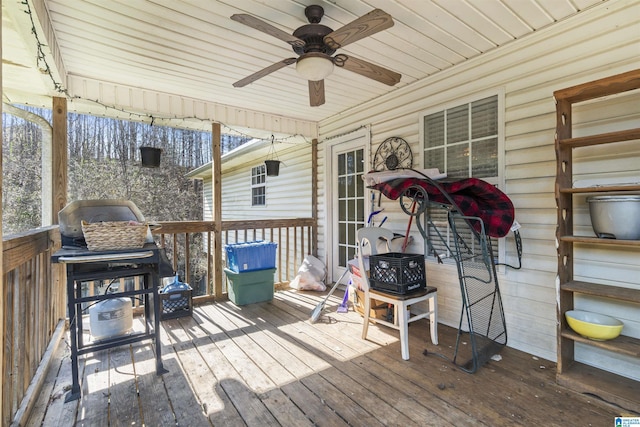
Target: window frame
{"type": "Point", "coordinates": [499, 180]}
{"type": "Point", "coordinates": [258, 181]}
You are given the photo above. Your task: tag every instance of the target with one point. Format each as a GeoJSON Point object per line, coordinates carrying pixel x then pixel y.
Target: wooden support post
{"type": "Point", "coordinates": [216, 189]}
{"type": "Point", "coordinates": [59, 157]}
{"type": "Point", "coordinates": [314, 197]}
{"type": "Point", "coordinates": [1, 252]}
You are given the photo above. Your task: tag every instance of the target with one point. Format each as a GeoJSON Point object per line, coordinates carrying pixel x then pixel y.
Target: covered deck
{"type": "Point", "coordinates": [266, 364]}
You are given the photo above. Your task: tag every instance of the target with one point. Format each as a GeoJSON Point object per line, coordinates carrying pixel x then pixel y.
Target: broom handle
{"type": "Point", "coordinates": [406, 235]}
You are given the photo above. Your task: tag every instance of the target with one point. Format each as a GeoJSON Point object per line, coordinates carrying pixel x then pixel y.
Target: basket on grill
{"type": "Point", "coordinates": [114, 235]}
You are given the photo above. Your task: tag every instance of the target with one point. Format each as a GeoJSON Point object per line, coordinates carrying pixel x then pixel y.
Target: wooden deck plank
{"type": "Point", "coordinates": [387, 373]}
{"type": "Point", "coordinates": [418, 342]}
{"type": "Point", "coordinates": [244, 334]}
{"type": "Point", "coordinates": [372, 402]}
{"type": "Point", "coordinates": [441, 409]}
{"type": "Point", "coordinates": [93, 405]}
{"type": "Point", "coordinates": [345, 406]}
{"type": "Point", "coordinates": [151, 392]}
{"type": "Point", "coordinates": [399, 393]}
{"type": "Point", "coordinates": [63, 414]}
{"type": "Point", "coordinates": [528, 379]}
{"type": "Point", "coordinates": [267, 364]}
{"type": "Point", "coordinates": [382, 409]}
{"type": "Point", "coordinates": [291, 338]}
{"type": "Point", "coordinates": [198, 366]}
{"type": "Point", "coordinates": [317, 411]}
{"type": "Point", "coordinates": [506, 389]}
{"type": "Point", "coordinates": [283, 409]}
{"type": "Point", "coordinates": [375, 402]}
{"type": "Point", "coordinates": [208, 361]}
{"type": "Point", "coordinates": [251, 374]}
{"type": "Point", "coordinates": [181, 399]}
{"type": "Point", "coordinates": [324, 333]}
{"type": "Point", "coordinates": [303, 302]}
{"type": "Point", "coordinates": [273, 399]}
{"type": "Point", "coordinates": [124, 404]}
{"type": "Point", "coordinates": [362, 373]}
{"type": "Point", "coordinates": [220, 357]}
{"type": "Point", "coordinates": [52, 411]}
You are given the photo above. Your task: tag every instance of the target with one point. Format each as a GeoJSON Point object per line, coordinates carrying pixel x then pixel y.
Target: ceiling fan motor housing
{"type": "Point", "coordinates": [313, 33]}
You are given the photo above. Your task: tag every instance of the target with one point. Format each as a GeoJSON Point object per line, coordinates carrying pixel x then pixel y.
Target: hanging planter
{"type": "Point", "coordinates": [272, 163]}
{"type": "Point", "coordinates": [150, 156]}
{"type": "Point", "coordinates": [273, 167]}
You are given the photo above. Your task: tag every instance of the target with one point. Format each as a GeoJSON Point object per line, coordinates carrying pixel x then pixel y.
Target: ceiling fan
{"type": "Point", "coordinates": [315, 43]}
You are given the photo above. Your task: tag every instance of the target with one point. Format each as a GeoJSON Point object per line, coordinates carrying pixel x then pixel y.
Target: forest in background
{"type": "Point", "coordinates": [104, 163]}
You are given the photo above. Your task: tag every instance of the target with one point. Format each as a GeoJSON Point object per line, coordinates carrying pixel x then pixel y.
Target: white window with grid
{"type": "Point", "coordinates": [258, 187]}
{"type": "Point", "coordinates": [464, 139]}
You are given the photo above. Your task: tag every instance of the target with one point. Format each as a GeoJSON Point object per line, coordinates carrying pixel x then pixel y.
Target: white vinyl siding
{"type": "Point", "coordinates": [601, 42]}
{"type": "Point", "coordinates": [288, 194]}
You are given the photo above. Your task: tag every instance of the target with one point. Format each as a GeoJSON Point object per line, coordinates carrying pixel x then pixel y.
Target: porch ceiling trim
{"type": "Point", "coordinates": [174, 110]}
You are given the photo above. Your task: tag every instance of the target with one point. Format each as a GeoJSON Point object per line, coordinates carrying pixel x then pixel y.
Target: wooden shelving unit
{"type": "Point", "coordinates": [578, 376]}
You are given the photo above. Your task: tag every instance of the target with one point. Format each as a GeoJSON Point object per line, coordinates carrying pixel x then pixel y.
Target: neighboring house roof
{"type": "Point", "coordinates": [256, 148]}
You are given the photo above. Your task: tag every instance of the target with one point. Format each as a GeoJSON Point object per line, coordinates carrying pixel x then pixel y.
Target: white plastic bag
{"type": "Point", "coordinates": [305, 281]}
{"type": "Point", "coordinates": [314, 266]}
{"type": "Point", "coordinates": [310, 275]}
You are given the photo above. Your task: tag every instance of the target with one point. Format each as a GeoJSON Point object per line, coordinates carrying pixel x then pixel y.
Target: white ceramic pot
{"type": "Point", "coordinates": [615, 217]}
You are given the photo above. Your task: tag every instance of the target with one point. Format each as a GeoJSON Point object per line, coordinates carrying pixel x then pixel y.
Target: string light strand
{"type": "Point", "coordinates": [43, 64]}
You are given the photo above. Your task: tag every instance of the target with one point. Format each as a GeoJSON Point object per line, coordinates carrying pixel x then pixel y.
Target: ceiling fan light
{"type": "Point", "coordinates": [314, 67]}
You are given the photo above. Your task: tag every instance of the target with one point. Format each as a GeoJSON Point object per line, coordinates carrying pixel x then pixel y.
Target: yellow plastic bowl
{"type": "Point", "coordinates": [593, 325]}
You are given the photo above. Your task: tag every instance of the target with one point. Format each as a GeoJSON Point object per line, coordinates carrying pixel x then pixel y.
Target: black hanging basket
{"type": "Point", "coordinates": [273, 167]}
{"type": "Point", "coordinates": [150, 156]}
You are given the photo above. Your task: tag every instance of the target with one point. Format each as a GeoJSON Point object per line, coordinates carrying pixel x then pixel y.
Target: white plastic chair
{"type": "Point", "coordinates": [369, 236]}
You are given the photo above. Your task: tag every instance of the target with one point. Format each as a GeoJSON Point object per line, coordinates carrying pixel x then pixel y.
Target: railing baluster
{"type": "Point", "coordinates": [293, 236]}
{"type": "Point", "coordinates": [187, 256]}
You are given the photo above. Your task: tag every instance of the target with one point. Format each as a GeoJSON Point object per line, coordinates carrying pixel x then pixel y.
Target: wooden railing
{"type": "Point", "coordinates": [192, 242]}
{"type": "Point", "coordinates": [294, 238]}
{"type": "Point", "coordinates": [34, 304]}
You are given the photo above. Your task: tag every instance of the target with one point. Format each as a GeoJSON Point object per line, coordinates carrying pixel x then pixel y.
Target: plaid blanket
{"type": "Point", "coordinates": [472, 196]}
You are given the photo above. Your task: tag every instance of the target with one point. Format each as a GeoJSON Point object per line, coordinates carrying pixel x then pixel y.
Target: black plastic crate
{"type": "Point", "coordinates": [176, 304]}
{"type": "Point", "coordinates": [397, 272]}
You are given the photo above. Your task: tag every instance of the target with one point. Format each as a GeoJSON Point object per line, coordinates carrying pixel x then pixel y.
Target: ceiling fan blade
{"type": "Point", "coordinates": [366, 25]}
{"type": "Point", "coordinates": [316, 93]}
{"type": "Point", "coordinates": [265, 71]}
{"type": "Point", "coordinates": [367, 69]}
{"type": "Point", "coordinates": [260, 25]}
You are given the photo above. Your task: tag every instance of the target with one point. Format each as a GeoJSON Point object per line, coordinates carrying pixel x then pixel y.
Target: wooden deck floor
{"type": "Point", "coordinates": [265, 364]}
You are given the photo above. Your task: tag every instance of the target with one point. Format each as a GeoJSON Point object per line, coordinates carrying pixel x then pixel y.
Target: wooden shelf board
{"type": "Point", "coordinates": [601, 138]}
{"type": "Point", "coordinates": [602, 189]}
{"type": "Point", "coordinates": [599, 88]}
{"type": "Point", "coordinates": [622, 345]}
{"type": "Point", "coordinates": [608, 291]}
{"type": "Point", "coordinates": [599, 241]}
{"type": "Point", "coordinates": [610, 387]}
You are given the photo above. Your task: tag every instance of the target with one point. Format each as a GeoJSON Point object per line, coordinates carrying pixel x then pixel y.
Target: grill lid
{"type": "Point", "coordinates": [71, 216]}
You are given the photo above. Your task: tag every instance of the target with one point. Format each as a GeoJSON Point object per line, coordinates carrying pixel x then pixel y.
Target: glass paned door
{"type": "Point", "coordinates": [350, 202]}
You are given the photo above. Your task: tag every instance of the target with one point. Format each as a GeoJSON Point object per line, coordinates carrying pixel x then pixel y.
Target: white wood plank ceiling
{"type": "Point", "coordinates": [192, 49]}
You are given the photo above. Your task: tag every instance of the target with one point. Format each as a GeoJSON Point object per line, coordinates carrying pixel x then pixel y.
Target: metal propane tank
{"type": "Point", "coordinates": [111, 318]}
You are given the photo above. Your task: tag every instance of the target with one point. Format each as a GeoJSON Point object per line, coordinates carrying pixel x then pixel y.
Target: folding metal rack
{"type": "Point", "coordinates": [482, 318]}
